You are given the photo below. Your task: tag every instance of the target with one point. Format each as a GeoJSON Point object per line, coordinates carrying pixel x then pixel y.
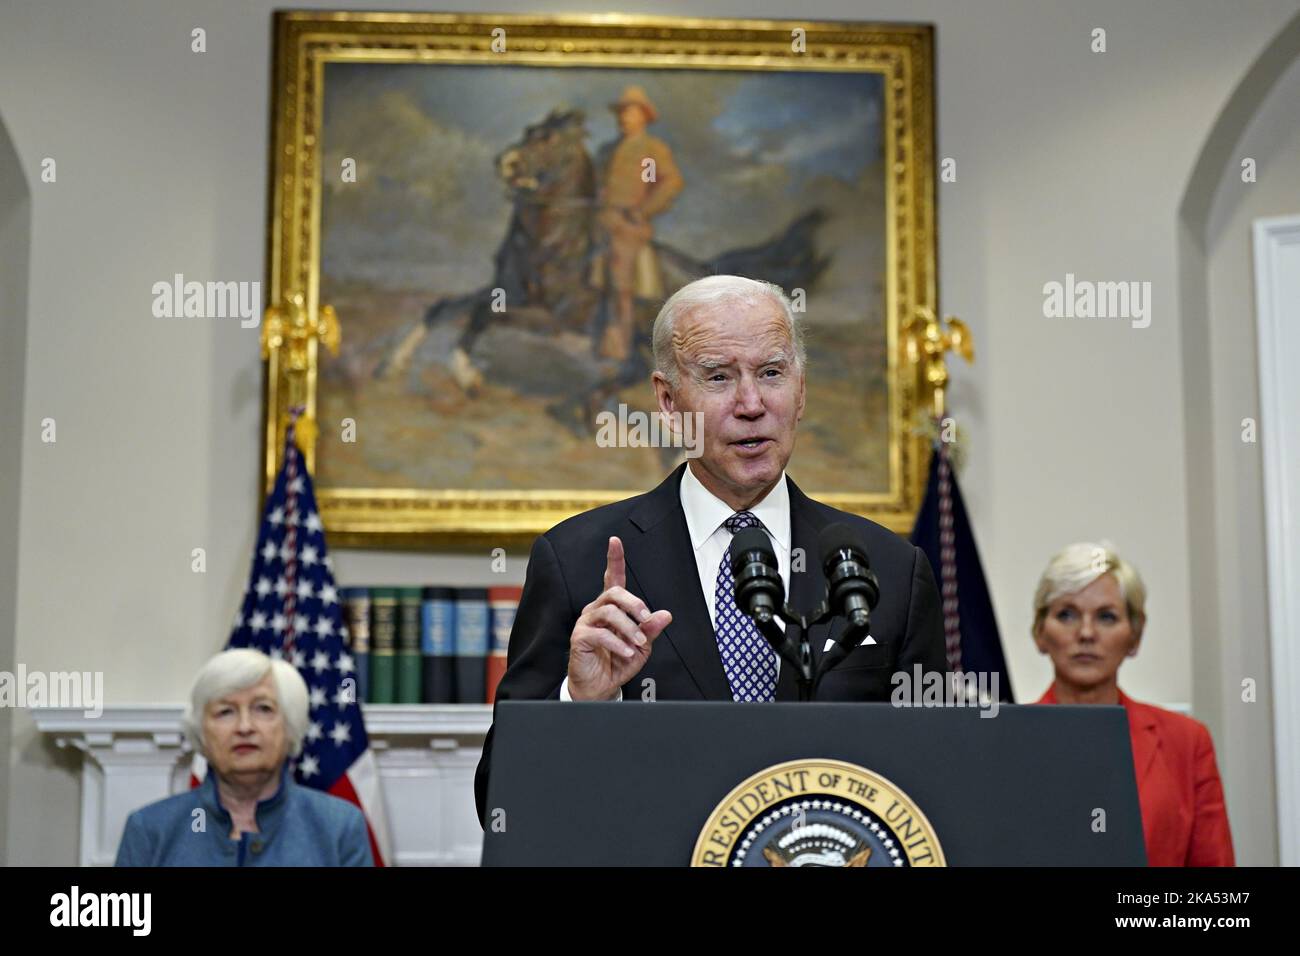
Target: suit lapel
{"type": "Point", "coordinates": [807, 587]}
{"type": "Point", "coordinates": [661, 561]}
{"type": "Point", "coordinates": [1145, 736]}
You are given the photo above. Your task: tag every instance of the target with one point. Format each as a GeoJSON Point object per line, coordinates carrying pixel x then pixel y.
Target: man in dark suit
{"type": "Point", "coordinates": [634, 600]}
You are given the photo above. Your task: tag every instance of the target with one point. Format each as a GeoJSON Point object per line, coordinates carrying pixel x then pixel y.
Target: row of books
{"type": "Point", "coordinates": [429, 645]}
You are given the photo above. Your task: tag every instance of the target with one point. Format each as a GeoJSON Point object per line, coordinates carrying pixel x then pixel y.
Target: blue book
{"type": "Point", "coordinates": [473, 632]}
{"type": "Point", "coordinates": [438, 645]}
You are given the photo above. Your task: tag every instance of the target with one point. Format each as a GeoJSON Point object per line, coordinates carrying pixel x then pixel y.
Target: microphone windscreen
{"type": "Point", "coordinates": [747, 541]}
{"type": "Point", "coordinates": [838, 536]}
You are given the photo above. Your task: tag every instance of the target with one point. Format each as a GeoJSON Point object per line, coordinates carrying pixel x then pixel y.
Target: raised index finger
{"type": "Point", "coordinates": [615, 565]}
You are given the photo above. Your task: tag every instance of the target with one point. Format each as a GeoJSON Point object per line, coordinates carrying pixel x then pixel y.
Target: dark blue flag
{"type": "Point", "coordinates": [943, 532]}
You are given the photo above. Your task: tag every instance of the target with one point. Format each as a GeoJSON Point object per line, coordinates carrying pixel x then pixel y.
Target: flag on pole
{"type": "Point", "coordinates": [291, 611]}
{"type": "Point", "coordinates": [944, 533]}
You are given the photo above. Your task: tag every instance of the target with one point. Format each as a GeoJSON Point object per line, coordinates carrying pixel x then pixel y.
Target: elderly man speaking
{"type": "Point", "coordinates": [638, 595]}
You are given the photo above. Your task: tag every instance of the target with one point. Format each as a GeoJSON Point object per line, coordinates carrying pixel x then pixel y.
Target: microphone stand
{"type": "Point", "coordinates": [791, 644]}
{"type": "Point", "coordinates": [756, 595]}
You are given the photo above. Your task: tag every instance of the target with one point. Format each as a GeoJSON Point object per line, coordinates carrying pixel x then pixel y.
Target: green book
{"type": "Point", "coordinates": [408, 645]}
{"type": "Point", "coordinates": [383, 645]}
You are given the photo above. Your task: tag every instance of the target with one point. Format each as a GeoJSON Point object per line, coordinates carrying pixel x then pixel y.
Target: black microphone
{"type": "Point", "coordinates": [759, 591]}
{"type": "Point", "coordinates": [853, 588]}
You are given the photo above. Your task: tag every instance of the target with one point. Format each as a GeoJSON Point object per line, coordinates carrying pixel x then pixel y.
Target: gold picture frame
{"type": "Point", "coordinates": [298, 323]}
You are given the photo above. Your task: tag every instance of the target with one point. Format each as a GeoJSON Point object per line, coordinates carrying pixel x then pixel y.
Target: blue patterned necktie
{"type": "Point", "coordinates": [747, 658]}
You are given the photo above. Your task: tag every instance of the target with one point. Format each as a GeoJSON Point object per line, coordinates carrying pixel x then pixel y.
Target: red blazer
{"type": "Point", "coordinates": [1184, 819]}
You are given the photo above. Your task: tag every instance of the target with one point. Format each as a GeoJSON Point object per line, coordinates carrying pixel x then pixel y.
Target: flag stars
{"type": "Point", "coordinates": [291, 571]}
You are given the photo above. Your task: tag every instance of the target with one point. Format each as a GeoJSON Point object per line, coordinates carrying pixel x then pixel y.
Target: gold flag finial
{"type": "Point", "coordinates": [928, 340]}
{"type": "Point", "coordinates": [304, 434]}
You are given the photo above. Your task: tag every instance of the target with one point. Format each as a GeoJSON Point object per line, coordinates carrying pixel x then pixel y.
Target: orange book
{"type": "Point", "coordinates": [503, 602]}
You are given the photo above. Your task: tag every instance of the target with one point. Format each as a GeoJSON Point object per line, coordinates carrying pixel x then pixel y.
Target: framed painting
{"type": "Point", "coordinates": [445, 185]}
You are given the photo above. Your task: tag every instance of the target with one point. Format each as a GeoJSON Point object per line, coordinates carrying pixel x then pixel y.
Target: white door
{"type": "Point", "coordinates": [1277, 298]}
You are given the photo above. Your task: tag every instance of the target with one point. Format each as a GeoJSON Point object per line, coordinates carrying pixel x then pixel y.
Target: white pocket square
{"type": "Point", "coordinates": [865, 641]}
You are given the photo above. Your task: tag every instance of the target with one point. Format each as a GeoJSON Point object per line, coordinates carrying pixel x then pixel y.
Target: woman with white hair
{"type": "Point", "coordinates": [1089, 614]}
{"type": "Point", "coordinates": [247, 716]}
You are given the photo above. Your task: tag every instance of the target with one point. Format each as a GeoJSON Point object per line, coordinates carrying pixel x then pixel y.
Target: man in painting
{"type": "Point", "coordinates": [639, 179]}
{"type": "Point", "coordinates": [637, 597]}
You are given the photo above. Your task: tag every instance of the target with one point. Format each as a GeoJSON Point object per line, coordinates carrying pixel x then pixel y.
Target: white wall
{"type": "Point", "coordinates": [15, 243]}
{"type": "Point", "coordinates": [1068, 161]}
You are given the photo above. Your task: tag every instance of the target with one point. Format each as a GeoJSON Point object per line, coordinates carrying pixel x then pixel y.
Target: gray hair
{"type": "Point", "coordinates": [709, 292]}
{"type": "Point", "coordinates": [238, 669]}
{"type": "Point", "coordinates": [1076, 566]}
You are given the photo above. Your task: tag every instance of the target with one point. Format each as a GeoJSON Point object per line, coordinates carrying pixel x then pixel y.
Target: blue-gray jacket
{"type": "Point", "coordinates": [297, 826]}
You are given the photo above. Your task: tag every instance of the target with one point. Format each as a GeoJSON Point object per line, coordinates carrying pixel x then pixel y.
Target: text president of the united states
{"type": "Point", "coordinates": [637, 595]}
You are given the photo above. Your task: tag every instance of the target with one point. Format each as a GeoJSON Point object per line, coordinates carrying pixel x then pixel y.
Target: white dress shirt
{"type": "Point", "coordinates": [710, 540]}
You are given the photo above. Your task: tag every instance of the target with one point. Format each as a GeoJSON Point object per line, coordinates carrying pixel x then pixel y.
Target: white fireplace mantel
{"type": "Point", "coordinates": [427, 754]}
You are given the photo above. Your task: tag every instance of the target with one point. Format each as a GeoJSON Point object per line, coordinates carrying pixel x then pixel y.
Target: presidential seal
{"type": "Point", "coordinates": [817, 813]}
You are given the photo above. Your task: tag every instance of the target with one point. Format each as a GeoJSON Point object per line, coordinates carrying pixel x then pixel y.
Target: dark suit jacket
{"type": "Point", "coordinates": [566, 572]}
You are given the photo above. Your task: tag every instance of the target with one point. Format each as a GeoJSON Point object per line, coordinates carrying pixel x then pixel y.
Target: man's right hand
{"type": "Point", "coordinates": [611, 641]}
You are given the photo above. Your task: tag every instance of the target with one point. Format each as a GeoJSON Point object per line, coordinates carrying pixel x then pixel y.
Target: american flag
{"type": "Point", "coordinates": [291, 611]}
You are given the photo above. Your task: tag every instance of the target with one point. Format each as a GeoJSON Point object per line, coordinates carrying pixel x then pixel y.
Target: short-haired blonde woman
{"type": "Point", "coordinates": [1089, 614]}
{"type": "Point", "coordinates": [247, 716]}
